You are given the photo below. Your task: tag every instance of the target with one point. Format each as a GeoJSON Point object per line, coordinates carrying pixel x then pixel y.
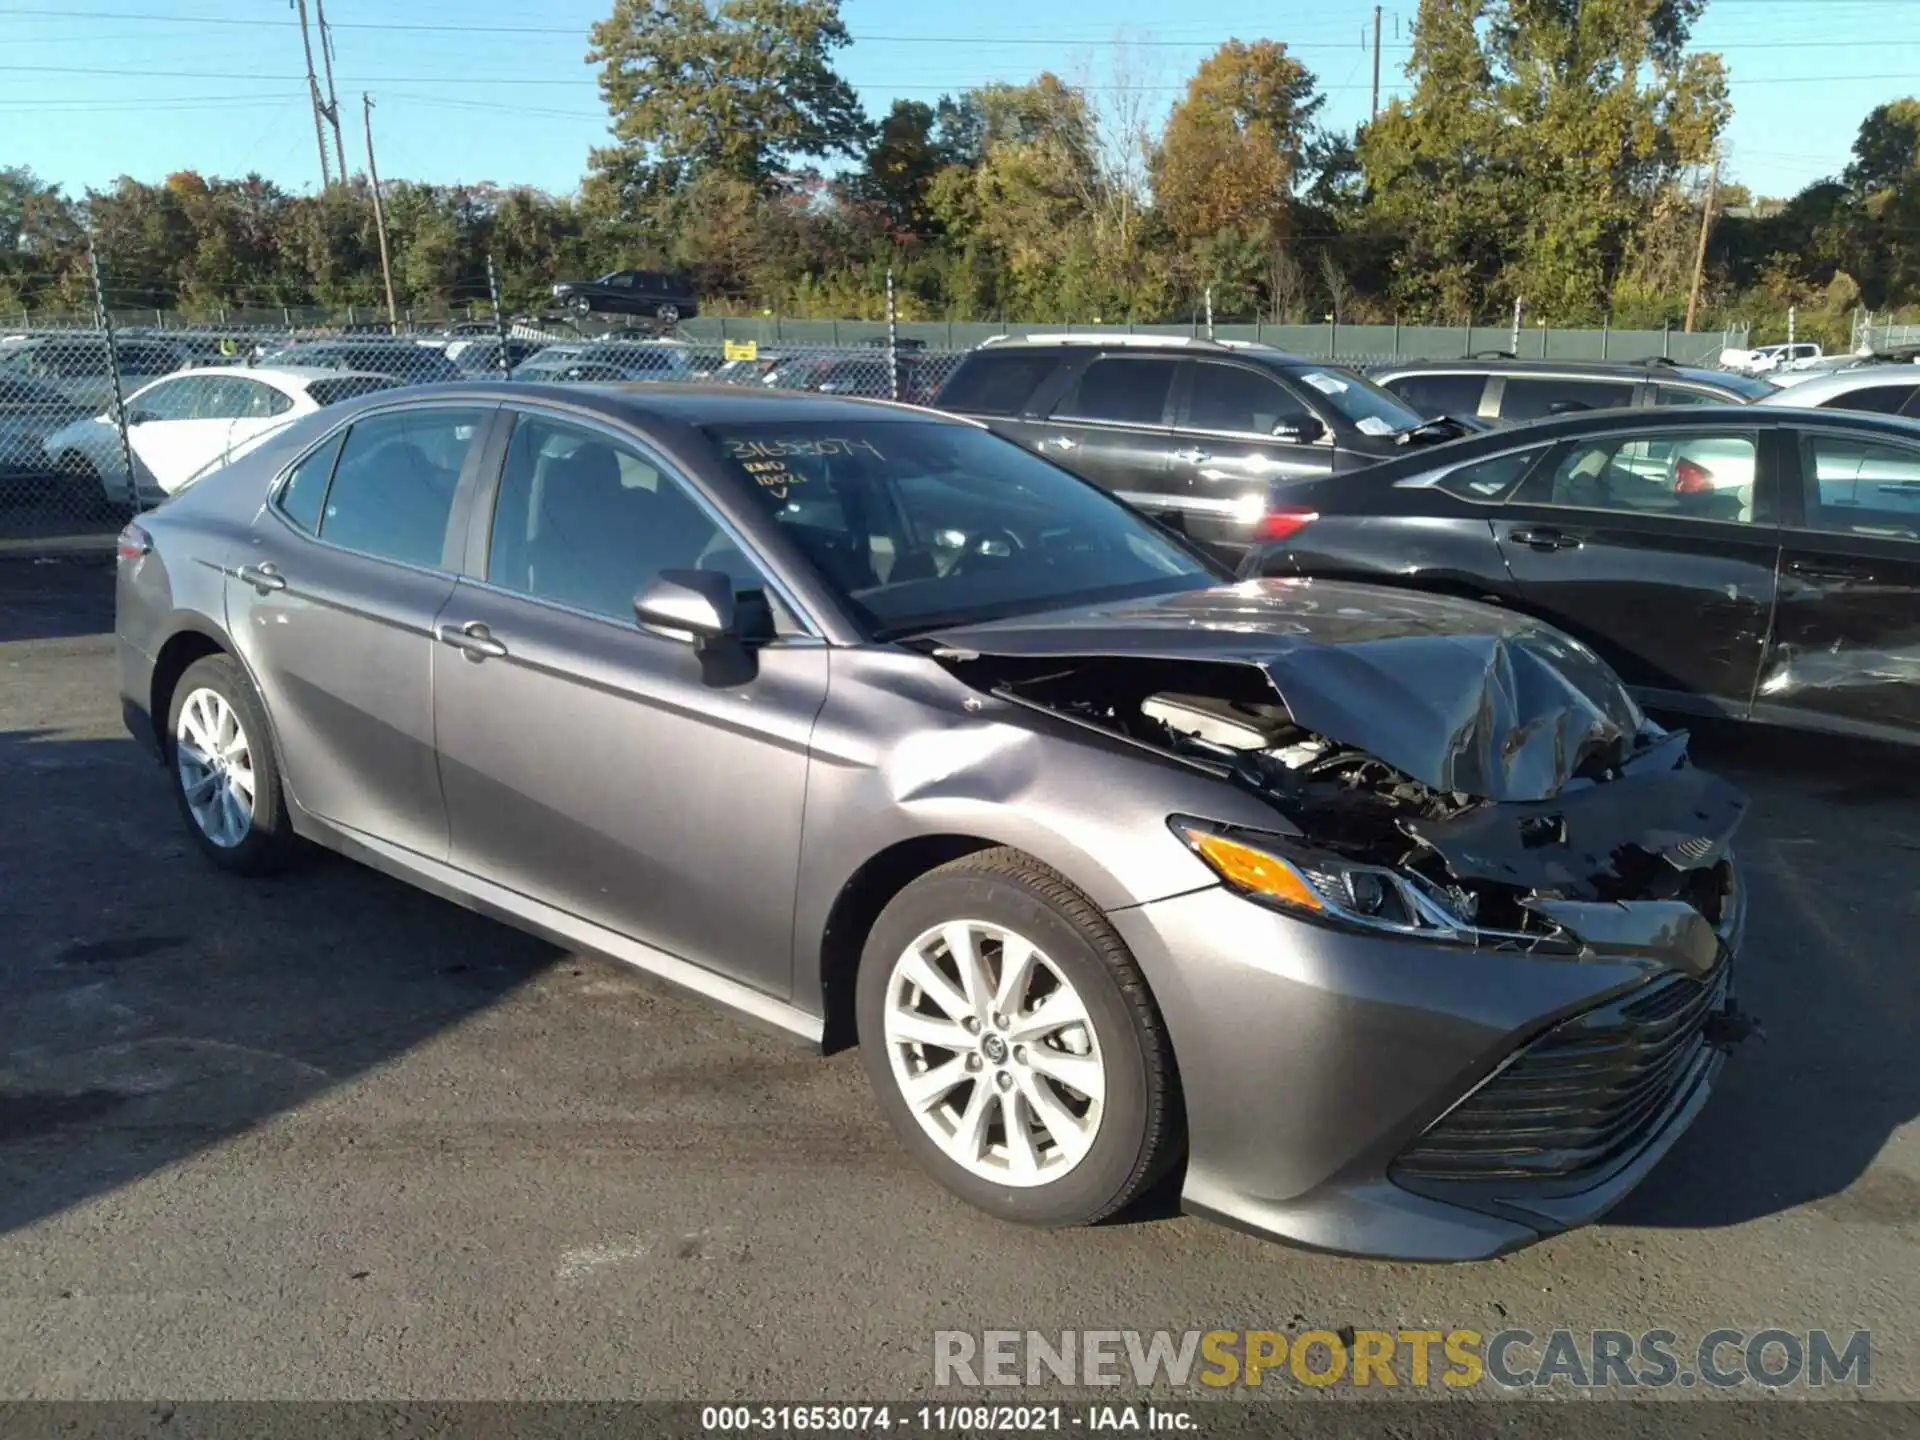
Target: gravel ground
{"type": "Point", "coordinates": [327, 1137]}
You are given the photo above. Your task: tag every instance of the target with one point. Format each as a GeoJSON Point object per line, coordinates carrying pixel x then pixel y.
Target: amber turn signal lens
{"type": "Point", "coordinates": [1254, 870]}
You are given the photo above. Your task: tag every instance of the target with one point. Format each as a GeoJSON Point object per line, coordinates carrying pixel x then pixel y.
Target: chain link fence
{"type": "Point", "coordinates": [99, 421]}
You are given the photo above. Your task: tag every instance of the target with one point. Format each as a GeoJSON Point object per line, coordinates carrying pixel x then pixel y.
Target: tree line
{"type": "Point", "coordinates": [1553, 152]}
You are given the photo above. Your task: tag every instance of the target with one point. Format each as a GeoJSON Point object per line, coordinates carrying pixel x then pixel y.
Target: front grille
{"type": "Point", "coordinates": [1579, 1097]}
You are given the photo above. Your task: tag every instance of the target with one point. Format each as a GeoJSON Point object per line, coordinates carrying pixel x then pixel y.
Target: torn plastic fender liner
{"type": "Point", "coordinates": [1576, 841]}
{"type": "Point", "coordinates": [1670, 931]}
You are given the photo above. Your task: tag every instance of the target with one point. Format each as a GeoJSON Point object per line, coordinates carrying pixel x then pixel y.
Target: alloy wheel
{"type": "Point", "coordinates": [994, 1053]}
{"type": "Point", "coordinates": [215, 763]}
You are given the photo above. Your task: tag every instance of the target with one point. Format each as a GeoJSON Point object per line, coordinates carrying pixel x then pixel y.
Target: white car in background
{"type": "Point", "coordinates": [187, 422]}
{"type": "Point", "coordinates": [1766, 358]}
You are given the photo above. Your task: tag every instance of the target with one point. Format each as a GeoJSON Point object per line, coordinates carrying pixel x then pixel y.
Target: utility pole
{"type": "Point", "coordinates": [1700, 251]}
{"type": "Point", "coordinates": [380, 214]}
{"type": "Point", "coordinates": [1374, 114]}
{"type": "Point", "coordinates": [333, 100]}
{"type": "Point", "coordinates": [319, 105]}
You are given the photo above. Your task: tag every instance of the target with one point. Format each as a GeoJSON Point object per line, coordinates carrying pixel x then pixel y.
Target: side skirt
{"type": "Point", "coordinates": [557, 927]}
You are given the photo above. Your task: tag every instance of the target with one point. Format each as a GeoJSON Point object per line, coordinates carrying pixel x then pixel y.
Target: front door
{"type": "Point", "coordinates": [175, 427]}
{"type": "Point", "coordinates": [1846, 640]}
{"type": "Point", "coordinates": [332, 603]}
{"type": "Point", "coordinates": [1112, 426]}
{"type": "Point", "coordinates": [1658, 549]}
{"type": "Point", "coordinates": [606, 769]}
{"type": "Point", "coordinates": [1240, 432]}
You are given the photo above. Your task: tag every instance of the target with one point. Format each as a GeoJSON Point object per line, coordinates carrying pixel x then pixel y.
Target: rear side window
{"type": "Point", "coordinates": [1122, 390]}
{"type": "Point", "coordinates": [1856, 486]}
{"type": "Point", "coordinates": [1437, 395]}
{"type": "Point", "coordinates": [995, 384]}
{"type": "Point", "coordinates": [1529, 397]}
{"type": "Point", "coordinates": [1881, 399]}
{"type": "Point", "coordinates": [305, 490]}
{"type": "Point", "coordinates": [393, 489]}
{"type": "Point", "coordinates": [1490, 481]}
{"type": "Point", "coordinates": [1675, 395]}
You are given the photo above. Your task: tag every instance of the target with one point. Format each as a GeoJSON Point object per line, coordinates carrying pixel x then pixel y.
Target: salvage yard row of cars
{"type": "Point", "coordinates": [1181, 759]}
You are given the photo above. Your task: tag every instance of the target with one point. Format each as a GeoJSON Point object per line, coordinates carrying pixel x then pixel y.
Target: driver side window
{"type": "Point", "coordinates": [1241, 401]}
{"type": "Point", "coordinates": [584, 521]}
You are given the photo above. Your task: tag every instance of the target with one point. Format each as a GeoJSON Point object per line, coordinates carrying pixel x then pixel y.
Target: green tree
{"type": "Point", "coordinates": [739, 88]}
{"type": "Point", "coordinates": [1533, 155]}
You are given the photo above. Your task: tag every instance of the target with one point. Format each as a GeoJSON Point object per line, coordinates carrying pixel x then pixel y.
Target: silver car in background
{"type": "Point", "coordinates": [1385, 919]}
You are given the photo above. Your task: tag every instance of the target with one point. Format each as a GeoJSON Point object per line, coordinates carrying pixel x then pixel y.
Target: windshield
{"type": "Point", "coordinates": [918, 526]}
{"type": "Point", "coordinates": [1368, 408]}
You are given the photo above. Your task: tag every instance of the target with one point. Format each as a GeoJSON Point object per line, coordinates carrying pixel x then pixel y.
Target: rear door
{"type": "Point", "coordinates": [1846, 635]}
{"type": "Point", "coordinates": [332, 603]}
{"type": "Point", "coordinates": [1114, 426]}
{"type": "Point", "coordinates": [1438, 393]}
{"type": "Point", "coordinates": [1658, 547]}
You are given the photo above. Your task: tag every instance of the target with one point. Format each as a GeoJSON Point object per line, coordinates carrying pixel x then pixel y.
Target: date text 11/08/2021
{"type": "Point", "coordinates": [944, 1419]}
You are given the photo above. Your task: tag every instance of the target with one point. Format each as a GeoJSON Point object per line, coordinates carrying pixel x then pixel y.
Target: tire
{"type": "Point", "coordinates": [1097, 1156]}
{"type": "Point", "coordinates": [580, 304]}
{"type": "Point", "coordinates": [667, 314]}
{"type": "Point", "coordinates": [266, 840]}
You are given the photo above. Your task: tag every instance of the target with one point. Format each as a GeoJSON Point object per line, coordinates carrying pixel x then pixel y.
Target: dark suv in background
{"type": "Point", "coordinates": [1502, 390]}
{"type": "Point", "coordinates": [1205, 435]}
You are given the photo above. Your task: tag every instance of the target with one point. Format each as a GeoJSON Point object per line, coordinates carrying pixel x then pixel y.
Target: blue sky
{"type": "Point", "coordinates": [91, 89]}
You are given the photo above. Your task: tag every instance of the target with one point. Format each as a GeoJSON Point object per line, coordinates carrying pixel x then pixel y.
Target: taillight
{"type": "Point", "coordinates": [134, 542]}
{"type": "Point", "coordinates": [1691, 478]}
{"type": "Point", "coordinates": [1282, 522]}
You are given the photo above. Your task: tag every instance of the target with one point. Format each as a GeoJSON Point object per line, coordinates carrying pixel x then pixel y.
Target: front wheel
{"type": "Point", "coordinates": [581, 305]}
{"type": "Point", "coordinates": [1013, 1043]}
{"type": "Point", "coordinates": [225, 775]}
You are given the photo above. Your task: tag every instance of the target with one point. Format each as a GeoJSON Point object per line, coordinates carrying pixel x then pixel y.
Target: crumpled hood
{"type": "Point", "coordinates": [1460, 696]}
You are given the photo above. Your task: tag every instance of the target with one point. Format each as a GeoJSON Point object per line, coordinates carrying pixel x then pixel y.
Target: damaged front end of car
{"type": "Point", "coordinates": [1515, 810]}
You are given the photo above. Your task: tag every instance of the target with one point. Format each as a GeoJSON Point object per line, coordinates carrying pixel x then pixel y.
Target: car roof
{"type": "Point", "coordinates": [682, 403]}
{"type": "Point", "coordinates": [1652, 367]}
{"type": "Point", "coordinates": [1252, 349]}
{"type": "Point", "coordinates": [1842, 382]}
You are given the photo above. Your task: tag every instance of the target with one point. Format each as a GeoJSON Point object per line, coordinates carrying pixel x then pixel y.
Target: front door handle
{"type": "Point", "coordinates": [264, 577]}
{"type": "Point", "coordinates": [1544, 538]}
{"type": "Point", "coordinates": [1802, 570]}
{"type": "Point", "coordinates": [472, 639]}
{"type": "Point", "coordinates": [1192, 456]}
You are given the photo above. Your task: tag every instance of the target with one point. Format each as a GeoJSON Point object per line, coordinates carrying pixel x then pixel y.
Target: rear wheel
{"type": "Point", "coordinates": [1013, 1044]}
{"type": "Point", "coordinates": [225, 775]}
{"type": "Point", "coordinates": [667, 314]}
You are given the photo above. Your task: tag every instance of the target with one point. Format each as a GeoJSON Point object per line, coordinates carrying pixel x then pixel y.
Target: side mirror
{"type": "Point", "coordinates": [141, 417]}
{"type": "Point", "coordinates": [695, 603]}
{"type": "Point", "coordinates": [1303, 431]}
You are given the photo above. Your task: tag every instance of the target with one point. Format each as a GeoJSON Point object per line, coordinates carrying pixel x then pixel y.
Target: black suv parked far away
{"type": "Point", "coordinates": [1502, 390]}
{"type": "Point", "coordinates": [1205, 435]}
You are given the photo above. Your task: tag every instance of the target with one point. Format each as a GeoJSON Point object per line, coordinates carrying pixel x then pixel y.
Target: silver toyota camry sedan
{"type": "Point", "coordinates": [1386, 919]}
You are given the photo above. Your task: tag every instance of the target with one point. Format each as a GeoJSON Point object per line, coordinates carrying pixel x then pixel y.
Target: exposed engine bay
{"type": "Point", "coordinates": [1629, 818]}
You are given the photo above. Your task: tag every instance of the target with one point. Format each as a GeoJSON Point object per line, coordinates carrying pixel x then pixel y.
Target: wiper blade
{"type": "Point", "coordinates": [1447, 427]}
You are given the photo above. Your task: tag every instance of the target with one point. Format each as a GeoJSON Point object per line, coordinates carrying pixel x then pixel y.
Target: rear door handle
{"type": "Point", "coordinates": [1544, 538]}
{"type": "Point", "coordinates": [263, 577]}
{"type": "Point", "coordinates": [472, 639]}
{"type": "Point", "coordinates": [1193, 457]}
{"type": "Point", "coordinates": [1802, 570]}
{"type": "Point", "coordinates": [1057, 442]}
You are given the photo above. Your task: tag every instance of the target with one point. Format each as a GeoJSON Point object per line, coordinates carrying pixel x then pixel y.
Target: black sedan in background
{"type": "Point", "coordinates": [1760, 563]}
{"type": "Point", "coordinates": [655, 294]}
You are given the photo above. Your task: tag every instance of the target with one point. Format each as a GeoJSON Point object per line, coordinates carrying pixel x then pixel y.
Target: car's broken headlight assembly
{"type": "Point", "coordinates": [1315, 885]}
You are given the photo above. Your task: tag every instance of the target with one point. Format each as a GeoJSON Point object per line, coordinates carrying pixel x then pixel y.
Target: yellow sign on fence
{"type": "Point", "coordinates": [740, 349]}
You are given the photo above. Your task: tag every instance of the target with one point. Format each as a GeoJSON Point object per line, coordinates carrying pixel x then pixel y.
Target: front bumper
{"type": "Point", "coordinates": [1312, 1059]}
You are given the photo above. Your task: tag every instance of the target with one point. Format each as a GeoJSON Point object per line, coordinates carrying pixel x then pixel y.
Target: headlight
{"type": "Point", "coordinates": [1330, 889]}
